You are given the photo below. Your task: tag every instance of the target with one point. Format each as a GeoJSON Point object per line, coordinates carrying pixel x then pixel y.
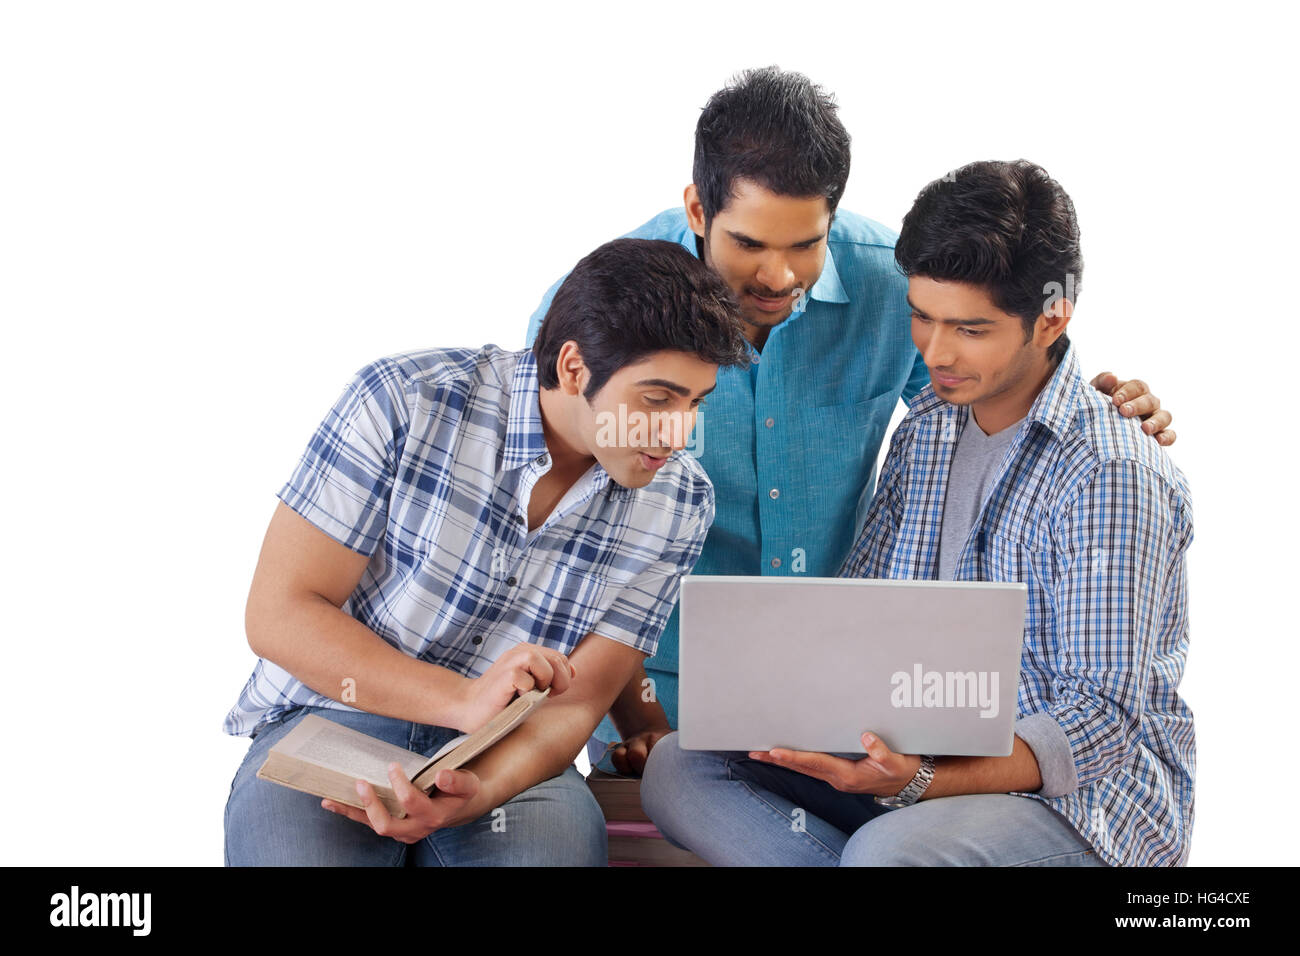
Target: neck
{"type": "Point", "coordinates": [757, 334]}
{"type": "Point", "coordinates": [565, 454]}
{"type": "Point", "coordinates": [1006, 408]}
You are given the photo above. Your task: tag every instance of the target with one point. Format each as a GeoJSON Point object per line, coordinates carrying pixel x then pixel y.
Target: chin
{"type": "Point", "coordinates": [633, 480]}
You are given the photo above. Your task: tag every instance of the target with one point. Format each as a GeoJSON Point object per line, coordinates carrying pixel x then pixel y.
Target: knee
{"type": "Point", "coordinates": [559, 823]}
{"type": "Point", "coordinates": [891, 840]}
{"type": "Point", "coordinates": [676, 784]}
{"type": "Point", "coordinates": [661, 778]}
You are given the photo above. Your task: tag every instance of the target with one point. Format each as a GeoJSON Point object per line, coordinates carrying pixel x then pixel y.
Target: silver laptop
{"type": "Point", "coordinates": [931, 667]}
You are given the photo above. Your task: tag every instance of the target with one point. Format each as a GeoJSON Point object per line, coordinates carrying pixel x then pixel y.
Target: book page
{"type": "Point", "coordinates": [321, 741]}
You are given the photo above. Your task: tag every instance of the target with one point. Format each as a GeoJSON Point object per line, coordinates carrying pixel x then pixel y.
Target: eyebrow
{"type": "Point", "coordinates": [974, 320]}
{"type": "Point", "coordinates": [741, 237]}
{"type": "Point", "coordinates": [681, 390]}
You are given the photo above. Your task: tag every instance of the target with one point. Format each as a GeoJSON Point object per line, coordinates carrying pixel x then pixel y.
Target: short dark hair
{"type": "Point", "coordinates": [775, 128]}
{"type": "Point", "coordinates": [1005, 226]}
{"type": "Point", "coordinates": [632, 297]}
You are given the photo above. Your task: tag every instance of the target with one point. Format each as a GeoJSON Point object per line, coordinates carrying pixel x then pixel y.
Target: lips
{"type": "Point", "coordinates": [948, 381]}
{"type": "Point", "coordinates": [770, 303]}
{"type": "Point", "coordinates": [651, 463]}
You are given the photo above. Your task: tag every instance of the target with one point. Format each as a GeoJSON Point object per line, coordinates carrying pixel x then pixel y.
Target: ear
{"type": "Point", "coordinates": [1051, 324]}
{"type": "Point", "coordinates": [694, 210]}
{"type": "Point", "coordinates": [570, 369]}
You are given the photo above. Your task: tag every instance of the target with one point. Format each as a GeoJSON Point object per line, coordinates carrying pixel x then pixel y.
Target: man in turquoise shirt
{"type": "Point", "coordinates": [790, 443]}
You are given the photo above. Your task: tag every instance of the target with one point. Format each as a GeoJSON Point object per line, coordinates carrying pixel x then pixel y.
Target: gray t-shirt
{"type": "Point", "coordinates": [975, 465]}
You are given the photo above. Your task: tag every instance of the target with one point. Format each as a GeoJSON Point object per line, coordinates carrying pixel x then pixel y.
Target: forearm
{"type": "Point", "coordinates": [541, 748]}
{"type": "Point", "coordinates": [632, 713]}
{"type": "Point", "coordinates": [339, 657]}
{"type": "Point", "coordinates": [958, 775]}
{"type": "Point", "coordinates": [549, 741]}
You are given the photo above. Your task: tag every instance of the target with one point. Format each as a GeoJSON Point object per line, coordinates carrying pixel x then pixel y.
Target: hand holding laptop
{"type": "Point", "coordinates": [881, 772]}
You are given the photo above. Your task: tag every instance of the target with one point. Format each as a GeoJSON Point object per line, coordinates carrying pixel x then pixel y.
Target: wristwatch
{"type": "Point", "coordinates": [915, 787]}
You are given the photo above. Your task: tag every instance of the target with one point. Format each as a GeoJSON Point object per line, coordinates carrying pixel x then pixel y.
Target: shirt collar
{"type": "Point", "coordinates": [1058, 402]}
{"type": "Point", "coordinates": [827, 288]}
{"type": "Point", "coordinates": [525, 440]}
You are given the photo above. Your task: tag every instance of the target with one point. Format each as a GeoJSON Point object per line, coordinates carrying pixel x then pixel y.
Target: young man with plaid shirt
{"type": "Point", "coordinates": [1008, 467]}
{"type": "Point", "coordinates": [466, 524]}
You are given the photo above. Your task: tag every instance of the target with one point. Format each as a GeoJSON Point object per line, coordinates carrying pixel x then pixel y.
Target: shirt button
{"type": "Point", "coordinates": [511, 582]}
{"type": "Point", "coordinates": [776, 562]}
{"type": "Point", "coordinates": [770, 422]}
{"type": "Point", "coordinates": [541, 459]}
{"type": "Point", "coordinates": [774, 494]}
{"type": "Point", "coordinates": [520, 518]}
{"type": "Point", "coordinates": [478, 639]}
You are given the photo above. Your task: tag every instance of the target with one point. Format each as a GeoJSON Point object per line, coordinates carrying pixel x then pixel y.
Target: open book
{"type": "Point", "coordinates": [326, 759]}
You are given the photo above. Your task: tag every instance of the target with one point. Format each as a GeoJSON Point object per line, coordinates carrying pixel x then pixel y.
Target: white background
{"type": "Point", "coordinates": [212, 214]}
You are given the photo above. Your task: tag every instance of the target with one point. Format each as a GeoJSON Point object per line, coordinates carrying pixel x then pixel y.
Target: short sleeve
{"type": "Point", "coordinates": [641, 610]}
{"type": "Point", "coordinates": [345, 477]}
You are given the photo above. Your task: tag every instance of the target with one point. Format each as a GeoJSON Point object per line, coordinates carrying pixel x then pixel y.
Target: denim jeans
{"type": "Point", "coordinates": [555, 823]}
{"type": "Point", "coordinates": [733, 811]}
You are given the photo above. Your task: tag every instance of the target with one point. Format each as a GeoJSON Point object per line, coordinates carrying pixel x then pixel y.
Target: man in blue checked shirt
{"type": "Point", "coordinates": [791, 442]}
{"type": "Point", "coordinates": [1008, 467]}
{"type": "Point", "coordinates": [466, 524]}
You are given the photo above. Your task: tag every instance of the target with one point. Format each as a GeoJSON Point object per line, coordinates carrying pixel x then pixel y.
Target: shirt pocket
{"type": "Point", "coordinates": [849, 433]}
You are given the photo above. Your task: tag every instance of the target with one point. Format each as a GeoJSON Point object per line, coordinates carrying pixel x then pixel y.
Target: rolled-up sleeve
{"type": "Point", "coordinates": [1121, 550]}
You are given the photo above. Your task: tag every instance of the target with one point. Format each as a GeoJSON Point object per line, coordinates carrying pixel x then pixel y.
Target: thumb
{"type": "Point", "coordinates": [456, 783]}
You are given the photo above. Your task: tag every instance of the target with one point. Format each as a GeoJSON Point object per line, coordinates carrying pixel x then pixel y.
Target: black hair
{"type": "Point", "coordinates": [775, 128]}
{"type": "Point", "coordinates": [1005, 226]}
{"type": "Point", "coordinates": [632, 297]}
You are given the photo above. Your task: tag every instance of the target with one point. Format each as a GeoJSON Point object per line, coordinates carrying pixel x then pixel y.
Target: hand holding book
{"type": "Point", "coordinates": [398, 793]}
{"type": "Point", "coordinates": [448, 805]}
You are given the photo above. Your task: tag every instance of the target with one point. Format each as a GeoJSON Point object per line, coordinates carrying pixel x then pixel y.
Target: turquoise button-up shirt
{"type": "Point", "coordinates": [791, 443]}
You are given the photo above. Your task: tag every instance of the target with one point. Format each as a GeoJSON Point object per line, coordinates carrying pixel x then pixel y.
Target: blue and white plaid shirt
{"type": "Point", "coordinates": [1088, 512]}
{"type": "Point", "coordinates": [425, 464]}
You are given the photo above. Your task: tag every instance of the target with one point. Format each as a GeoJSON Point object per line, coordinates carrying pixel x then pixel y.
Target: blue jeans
{"type": "Point", "coordinates": [733, 811]}
{"type": "Point", "coordinates": [556, 823]}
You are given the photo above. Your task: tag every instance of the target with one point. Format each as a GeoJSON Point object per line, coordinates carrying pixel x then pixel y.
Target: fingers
{"type": "Point", "coordinates": [821, 766]}
{"type": "Point", "coordinates": [377, 815]}
{"type": "Point", "coordinates": [1167, 437]}
{"type": "Point", "coordinates": [878, 755]}
{"type": "Point", "coordinates": [1105, 382]}
{"type": "Point", "coordinates": [1128, 391]}
{"type": "Point", "coordinates": [1142, 406]}
{"type": "Point", "coordinates": [343, 810]}
{"type": "Point", "coordinates": [561, 670]}
{"type": "Point", "coordinates": [618, 757]}
{"type": "Point", "coordinates": [1157, 423]}
{"type": "Point", "coordinates": [541, 667]}
{"type": "Point", "coordinates": [638, 751]}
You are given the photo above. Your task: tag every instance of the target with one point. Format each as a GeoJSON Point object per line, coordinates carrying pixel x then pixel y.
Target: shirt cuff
{"type": "Point", "coordinates": [1052, 749]}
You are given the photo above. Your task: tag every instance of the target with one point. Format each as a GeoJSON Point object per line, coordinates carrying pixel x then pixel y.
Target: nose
{"type": "Point", "coordinates": [774, 273]}
{"type": "Point", "coordinates": [937, 348]}
{"type": "Point", "coordinates": [675, 429]}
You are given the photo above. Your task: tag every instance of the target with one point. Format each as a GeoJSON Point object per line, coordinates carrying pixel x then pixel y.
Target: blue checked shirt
{"type": "Point", "coordinates": [1089, 512]}
{"type": "Point", "coordinates": [790, 443]}
{"type": "Point", "coordinates": [425, 464]}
